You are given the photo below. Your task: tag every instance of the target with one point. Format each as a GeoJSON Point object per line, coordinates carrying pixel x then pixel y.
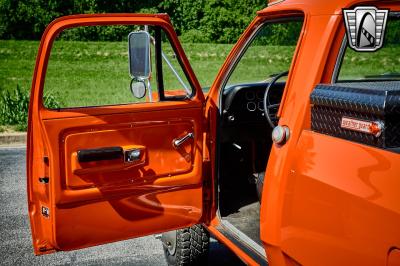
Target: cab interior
{"type": "Point", "coordinates": [249, 103]}
{"type": "Point", "coordinates": [244, 147]}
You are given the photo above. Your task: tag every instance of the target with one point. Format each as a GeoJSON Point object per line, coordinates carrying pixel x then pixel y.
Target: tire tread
{"type": "Point", "coordinates": [192, 246]}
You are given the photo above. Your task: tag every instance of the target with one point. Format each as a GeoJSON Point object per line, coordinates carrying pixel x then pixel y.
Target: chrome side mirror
{"type": "Point", "coordinates": [138, 88]}
{"type": "Point", "coordinates": [139, 55]}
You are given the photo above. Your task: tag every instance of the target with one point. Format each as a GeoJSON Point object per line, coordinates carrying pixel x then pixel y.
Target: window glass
{"type": "Point", "coordinates": [206, 60]}
{"type": "Point", "coordinates": [175, 82]}
{"type": "Point", "coordinates": [383, 64]}
{"type": "Point", "coordinates": [269, 53]}
{"type": "Point", "coordinates": [89, 66]}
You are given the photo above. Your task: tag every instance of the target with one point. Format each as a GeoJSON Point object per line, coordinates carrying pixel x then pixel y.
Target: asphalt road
{"type": "Point", "coordinates": [16, 243]}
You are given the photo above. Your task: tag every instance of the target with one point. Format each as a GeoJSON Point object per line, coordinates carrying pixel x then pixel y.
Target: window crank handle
{"type": "Point", "coordinates": [179, 141]}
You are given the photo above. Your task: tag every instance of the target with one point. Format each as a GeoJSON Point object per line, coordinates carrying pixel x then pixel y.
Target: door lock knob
{"type": "Point", "coordinates": [280, 135]}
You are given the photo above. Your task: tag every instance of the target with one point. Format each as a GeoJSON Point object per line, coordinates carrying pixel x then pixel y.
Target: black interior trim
{"type": "Point", "coordinates": [159, 69]}
{"type": "Point", "coordinates": [234, 103]}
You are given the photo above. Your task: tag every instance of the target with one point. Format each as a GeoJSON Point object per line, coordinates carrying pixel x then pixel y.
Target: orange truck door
{"type": "Point", "coordinates": [332, 196]}
{"type": "Point", "coordinates": [103, 174]}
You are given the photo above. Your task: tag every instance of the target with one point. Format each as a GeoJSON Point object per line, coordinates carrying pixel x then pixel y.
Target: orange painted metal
{"type": "Point", "coordinates": [326, 201]}
{"type": "Point", "coordinates": [91, 203]}
{"type": "Point", "coordinates": [242, 255]}
{"type": "Point", "coordinates": [335, 203]}
{"type": "Point", "coordinates": [393, 257]}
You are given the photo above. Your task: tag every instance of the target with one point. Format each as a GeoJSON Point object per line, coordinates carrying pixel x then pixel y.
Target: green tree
{"type": "Point", "coordinates": [27, 19]}
{"type": "Point", "coordinates": [215, 21]}
{"type": "Point", "coordinates": [225, 20]}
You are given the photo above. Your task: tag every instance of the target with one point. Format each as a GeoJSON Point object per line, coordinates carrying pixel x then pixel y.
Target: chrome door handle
{"type": "Point", "coordinates": [179, 141]}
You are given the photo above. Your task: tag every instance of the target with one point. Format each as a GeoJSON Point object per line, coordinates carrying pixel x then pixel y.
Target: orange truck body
{"type": "Point", "coordinates": [326, 201]}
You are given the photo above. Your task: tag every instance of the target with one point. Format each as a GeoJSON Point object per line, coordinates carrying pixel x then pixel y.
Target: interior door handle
{"type": "Point", "coordinates": [100, 154]}
{"type": "Point", "coordinates": [179, 141]}
{"type": "Point", "coordinates": [129, 156]}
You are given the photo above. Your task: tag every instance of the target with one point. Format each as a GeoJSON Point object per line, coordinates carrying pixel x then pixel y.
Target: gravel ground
{"type": "Point", "coordinates": [16, 243]}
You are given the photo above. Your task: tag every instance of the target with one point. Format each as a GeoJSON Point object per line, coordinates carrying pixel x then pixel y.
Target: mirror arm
{"type": "Point", "coordinates": [146, 29]}
{"type": "Point", "coordinates": [175, 73]}
{"type": "Point", "coordinates": [188, 91]}
{"type": "Point", "coordinates": [150, 91]}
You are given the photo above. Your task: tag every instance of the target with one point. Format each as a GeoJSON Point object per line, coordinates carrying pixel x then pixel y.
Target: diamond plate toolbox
{"type": "Point", "coordinates": [364, 112]}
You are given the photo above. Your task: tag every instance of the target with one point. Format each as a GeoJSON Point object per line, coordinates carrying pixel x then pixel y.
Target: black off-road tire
{"type": "Point", "coordinates": [192, 246]}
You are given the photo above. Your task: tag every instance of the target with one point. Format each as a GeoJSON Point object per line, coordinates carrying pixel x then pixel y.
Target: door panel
{"type": "Point", "coordinates": [124, 217]}
{"type": "Point", "coordinates": [158, 157]}
{"type": "Point", "coordinates": [107, 173]}
{"type": "Point", "coordinates": [102, 201]}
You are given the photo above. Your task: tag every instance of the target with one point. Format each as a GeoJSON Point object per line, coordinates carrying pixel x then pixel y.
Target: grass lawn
{"type": "Point", "coordinates": [96, 73]}
{"type": "Point", "coordinates": [17, 60]}
{"type": "Point", "coordinates": [93, 73]}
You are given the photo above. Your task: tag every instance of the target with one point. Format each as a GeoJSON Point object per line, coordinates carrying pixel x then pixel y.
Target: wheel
{"type": "Point", "coordinates": [187, 246]}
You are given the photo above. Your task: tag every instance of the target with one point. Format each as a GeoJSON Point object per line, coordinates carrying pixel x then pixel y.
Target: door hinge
{"type": "Point", "coordinates": [207, 180]}
{"type": "Point", "coordinates": [207, 194]}
{"type": "Point", "coordinates": [207, 190]}
{"type": "Point", "coordinates": [46, 249]}
{"type": "Point", "coordinates": [45, 212]}
{"type": "Point", "coordinates": [44, 180]}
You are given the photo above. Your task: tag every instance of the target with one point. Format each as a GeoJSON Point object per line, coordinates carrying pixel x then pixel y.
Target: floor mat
{"type": "Point", "coordinates": [247, 220]}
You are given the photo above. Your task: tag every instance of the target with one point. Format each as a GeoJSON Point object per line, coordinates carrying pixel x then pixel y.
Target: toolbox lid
{"type": "Point", "coordinates": [372, 97]}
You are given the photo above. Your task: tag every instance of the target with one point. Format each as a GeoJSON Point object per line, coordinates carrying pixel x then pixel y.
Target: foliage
{"type": "Point", "coordinates": [279, 34]}
{"type": "Point", "coordinates": [393, 33]}
{"type": "Point", "coordinates": [27, 19]}
{"type": "Point", "coordinates": [215, 21]}
{"type": "Point", "coordinates": [224, 21]}
{"type": "Point", "coordinates": [193, 36]}
{"type": "Point", "coordinates": [14, 107]}
{"type": "Point", "coordinates": [220, 21]}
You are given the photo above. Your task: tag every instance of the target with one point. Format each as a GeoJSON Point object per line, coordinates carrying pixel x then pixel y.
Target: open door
{"type": "Point", "coordinates": [102, 169]}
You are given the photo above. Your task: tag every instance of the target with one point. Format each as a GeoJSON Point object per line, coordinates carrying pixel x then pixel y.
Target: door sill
{"type": "Point", "coordinates": [250, 247]}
